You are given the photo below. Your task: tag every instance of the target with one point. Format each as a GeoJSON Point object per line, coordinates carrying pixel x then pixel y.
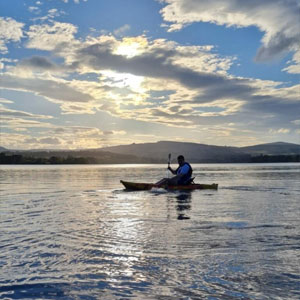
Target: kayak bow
{"type": "Point", "coordinates": [136, 186]}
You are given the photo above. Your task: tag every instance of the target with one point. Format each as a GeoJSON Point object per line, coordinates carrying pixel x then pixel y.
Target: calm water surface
{"type": "Point", "coordinates": [72, 232]}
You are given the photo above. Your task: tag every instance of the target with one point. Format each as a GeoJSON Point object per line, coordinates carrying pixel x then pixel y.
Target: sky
{"type": "Point", "coordinates": [80, 74]}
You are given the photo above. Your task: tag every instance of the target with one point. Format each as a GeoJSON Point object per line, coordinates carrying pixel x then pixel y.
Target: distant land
{"type": "Point", "coordinates": [204, 153]}
{"type": "Point", "coordinates": [156, 153]}
{"type": "Point", "coordinates": [278, 148]}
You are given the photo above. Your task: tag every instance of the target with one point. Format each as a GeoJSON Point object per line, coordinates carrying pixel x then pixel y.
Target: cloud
{"type": "Point", "coordinates": [157, 81]}
{"type": "Point", "coordinates": [159, 61]}
{"type": "Point", "coordinates": [75, 1]}
{"type": "Point", "coordinates": [122, 76]}
{"type": "Point", "coordinates": [40, 63]}
{"type": "Point", "coordinates": [222, 94]}
{"type": "Point", "coordinates": [294, 64]}
{"type": "Point", "coordinates": [40, 142]}
{"type": "Point", "coordinates": [27, 140]}
{"type": "Point", "coordinates": [10, 140]}
{"type": "Point", "coordinates": [278, 19]}
{"type": "Point", "coordinates": [5, 101]}
{"type": "Point", "coordinates": [49, 141]}
{"type": "Point", "coordinates": [81, 136]}
{"type": "Point", "coordinates": [85, 131]}
{"type": "Point", "coordinates": [296, 122]}
{"type": "Point", "coordinates": [122, 30]}
{"type": "Point", "coordinates": [58, 89]}
{"type": "Point", "coordinates": [280, 130]}
{"type": "Point", "coordinates": [39, 134]}
{"type": "Point", "coordinates": [18, 120]}
{"type": "Point", "coordinates": [51, 14]}
{"type": "Point", "coordinates": [15, 113]}
{"type": "Point", "coordinates": [10, 31]}
{"type": "Point", "coordinates": [49, 36]}
{"type": "Point", "coordinates": [33, 9]}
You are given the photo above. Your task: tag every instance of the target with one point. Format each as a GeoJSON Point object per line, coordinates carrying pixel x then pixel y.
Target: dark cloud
{"type": "Point", "coordinates": [31, 141]}
{"type": "Point", "coordinates": [278, 45]}
{"type": "Point", "coordinates": [158, 64]}
{"type": "Point", "coordinates": [233, 89]}
{"type": "Point", "coordinates": [284, 109]}
{"type": "Point", "coordinates": [212, 87]}
{"type": "Point", "coordinates": [108, 132]}
{"type": "Point", "coordinates": [40, 63]}
{"type": "Point", "coordinates": [59, 130]}
{"type": "Point", "coordinates": [49, 140]}
{"type": "Point", "coordinates": [46, 141]}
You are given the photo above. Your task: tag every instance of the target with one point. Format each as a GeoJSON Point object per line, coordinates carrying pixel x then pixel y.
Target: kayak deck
{"type": "Point", "coordinates": [136, 186]}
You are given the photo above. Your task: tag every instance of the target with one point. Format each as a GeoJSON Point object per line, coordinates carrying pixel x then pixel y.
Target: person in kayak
{"type": "Point", "coordinates": [183, 174]}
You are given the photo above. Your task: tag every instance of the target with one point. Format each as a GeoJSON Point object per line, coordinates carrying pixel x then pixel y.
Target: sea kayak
{"type": "Point", "coordinates": [135, 186]}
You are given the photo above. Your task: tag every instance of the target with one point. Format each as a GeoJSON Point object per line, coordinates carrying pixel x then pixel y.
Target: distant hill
{"type": "Point", "coordinates": [201, 153]}
{"type": "Point", "coordinates": [278, 148]}
{"type": "Point", "coordinates": [192, 151]}
{"type": "Point", "coordinates": [69, 157]}
{"type": "Point", "coordinates": [158, 153]}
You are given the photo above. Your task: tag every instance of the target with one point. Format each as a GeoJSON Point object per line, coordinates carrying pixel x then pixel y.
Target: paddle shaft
{"type": "Point", "coordinates": [169, 162]}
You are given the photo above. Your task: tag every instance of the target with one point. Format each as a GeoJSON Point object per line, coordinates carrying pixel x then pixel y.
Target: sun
{"type": "Point", "coordinates": [128, 50]}
{"type": "Point", "coordinates": [131, 46]}
{"type": "Point", "coordinates": [123, 80]}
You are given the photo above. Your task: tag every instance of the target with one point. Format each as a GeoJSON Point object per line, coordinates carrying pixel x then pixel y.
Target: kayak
{"type": "Point", "coordinates": [135, 186]}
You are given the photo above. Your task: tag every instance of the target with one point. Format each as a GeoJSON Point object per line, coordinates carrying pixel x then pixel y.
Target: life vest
{"type": "Point", "coordinates": [186, 176]}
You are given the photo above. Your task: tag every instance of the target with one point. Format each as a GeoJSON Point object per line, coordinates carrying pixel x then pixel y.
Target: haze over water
{"type": "Point", "coordinates": [72, 232]}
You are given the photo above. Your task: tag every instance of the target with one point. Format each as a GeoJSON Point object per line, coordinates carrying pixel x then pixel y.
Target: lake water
{"type": "Point", "coordinates": [72, 232]}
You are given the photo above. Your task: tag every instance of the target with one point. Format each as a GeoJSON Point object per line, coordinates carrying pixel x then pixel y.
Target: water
{"type": "Point", "coordinates": [72, 232]}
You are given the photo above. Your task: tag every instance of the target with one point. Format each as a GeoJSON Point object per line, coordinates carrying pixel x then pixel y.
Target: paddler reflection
{"type": "Point", "coordinates": [183, 205]}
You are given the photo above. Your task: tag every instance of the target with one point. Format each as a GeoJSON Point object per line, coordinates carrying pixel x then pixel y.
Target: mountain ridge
{"type": "Point", "coordinates": [157, 152]}
{"type": "Point", "coordinates": [196, 152]}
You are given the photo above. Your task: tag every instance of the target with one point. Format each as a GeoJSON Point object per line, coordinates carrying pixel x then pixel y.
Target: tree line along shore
{"type": "Point", "coordinates": [8, 158]}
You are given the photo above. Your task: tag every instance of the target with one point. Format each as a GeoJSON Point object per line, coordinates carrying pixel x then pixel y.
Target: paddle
{"type": "Point", "coordinates": [169, 161]}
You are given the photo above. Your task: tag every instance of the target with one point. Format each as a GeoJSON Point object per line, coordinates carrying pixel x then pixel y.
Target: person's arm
{"type": "Point", "coordinates": [171, 170]}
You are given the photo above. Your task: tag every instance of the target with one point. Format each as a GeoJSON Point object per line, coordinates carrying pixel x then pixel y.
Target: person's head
{"type": "Point", "coordinates": [180, 160]}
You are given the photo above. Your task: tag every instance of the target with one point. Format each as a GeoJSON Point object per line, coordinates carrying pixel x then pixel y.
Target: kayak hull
{"type": "Point", "coordinates": [136, 186]}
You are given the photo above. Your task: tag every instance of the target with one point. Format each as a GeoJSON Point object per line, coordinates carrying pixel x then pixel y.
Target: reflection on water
{"type": "Point", "coordinates": [183, 205]}
{"type": "Point", "coordinates": [72, 232]}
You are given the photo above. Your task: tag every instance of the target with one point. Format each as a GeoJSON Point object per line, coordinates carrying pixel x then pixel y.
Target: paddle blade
{"type": "Point", "coordinates": [169, 158]}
